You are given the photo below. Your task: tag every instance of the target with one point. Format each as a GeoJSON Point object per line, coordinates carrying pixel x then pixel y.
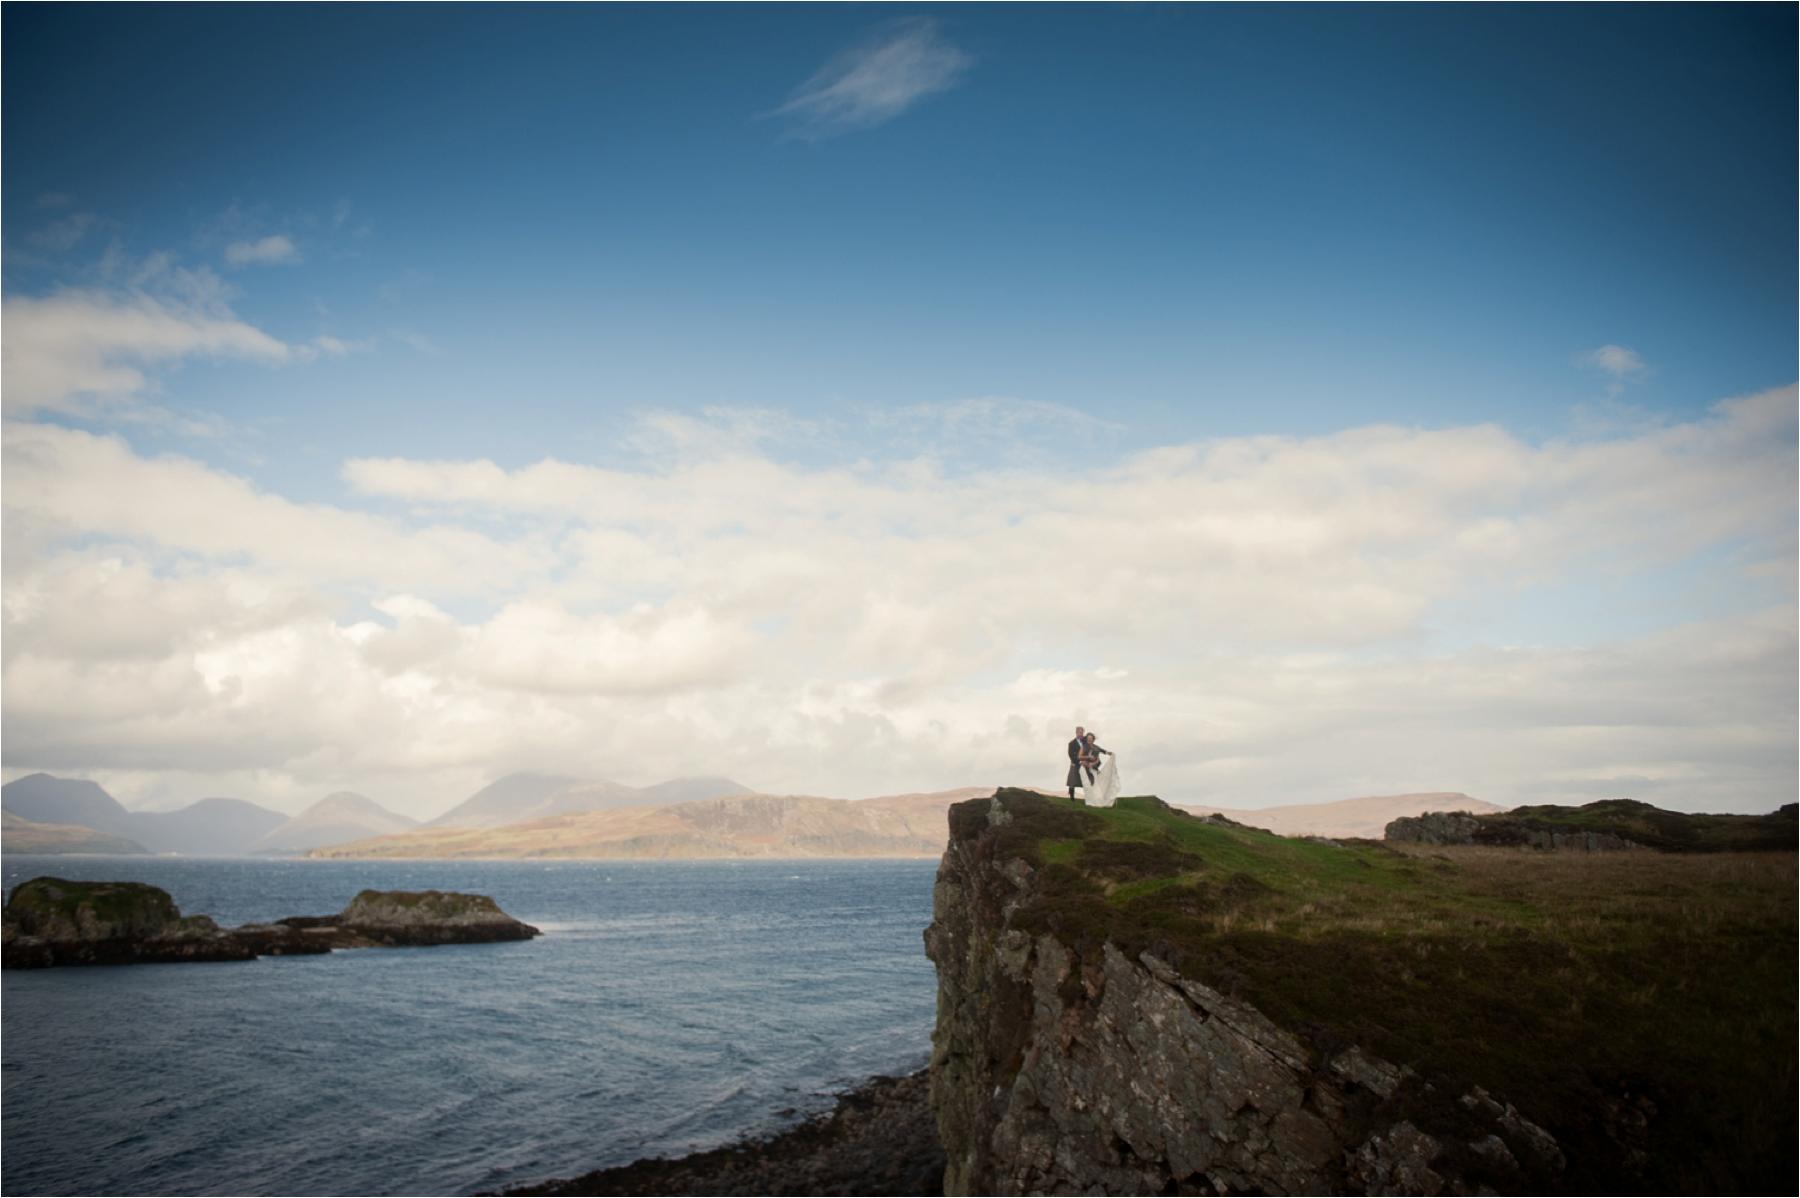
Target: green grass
{"type": "Point", "coordinates": [1640, 1005]}
{"type": "Point", "coordinates": [1670, 831]}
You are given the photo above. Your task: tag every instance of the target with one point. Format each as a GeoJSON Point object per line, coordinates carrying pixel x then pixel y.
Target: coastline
{"type": "Point", "coordinates": [880, 1138]}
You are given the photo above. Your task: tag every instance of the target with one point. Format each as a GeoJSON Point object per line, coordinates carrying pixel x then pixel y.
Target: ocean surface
{"type": "Point", "coordinates": [668, 1007]}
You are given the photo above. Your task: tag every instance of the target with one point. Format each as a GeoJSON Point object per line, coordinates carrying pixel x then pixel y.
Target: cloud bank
{"type": "Point", "coordinates": [1246, 620]}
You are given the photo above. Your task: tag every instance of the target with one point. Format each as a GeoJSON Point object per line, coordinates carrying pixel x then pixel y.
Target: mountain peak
{"type": "Point", "coordinates": [340, 816]}
{"type": "Point", "coordinates": [345, 800]}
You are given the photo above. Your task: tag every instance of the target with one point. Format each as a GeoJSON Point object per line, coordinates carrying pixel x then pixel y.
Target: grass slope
{"type": "Point", "coordinates": [1642, 1006]}
{"type": "Point", "coordinates": [1670, 831]}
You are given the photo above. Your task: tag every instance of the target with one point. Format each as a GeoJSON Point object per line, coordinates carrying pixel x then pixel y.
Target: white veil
{"type": "Point", "coordinates": [1105, 787]}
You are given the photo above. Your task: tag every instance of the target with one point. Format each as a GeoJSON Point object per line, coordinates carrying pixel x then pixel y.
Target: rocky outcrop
{"type": "Point", "coordinates": [51, 921]}
{"type": "Point", "coordinates": [1065, 1066]}
{"type": "Point", "coordinates": [1610, 825]}
{"type": "Point", "coordinates": [1453, 827]}
{"type": "Point", "coordinates": [403, 917]}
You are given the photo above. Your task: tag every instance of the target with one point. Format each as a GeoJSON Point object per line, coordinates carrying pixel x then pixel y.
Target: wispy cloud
{"type": "Point", "coordinates": [274, 250]}
{"type": "Point", "coordinates": [72, 349]}
{"type": "Point", "coordinates": [62, 235]}
{"type": "Point", "coordinates": [1622, 364]}
{"type": "Point", "coordinates": [327, 346]}
{"type": "Point", "coordinates": [875, 82]}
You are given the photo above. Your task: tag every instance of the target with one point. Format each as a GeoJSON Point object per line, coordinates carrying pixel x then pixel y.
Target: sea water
{"type": "Point", "coordinates": [668, 1007]}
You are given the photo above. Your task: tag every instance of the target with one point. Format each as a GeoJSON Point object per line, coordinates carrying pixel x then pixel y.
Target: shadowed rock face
{"type": "Point", "coordinates": [51, 921]}
{"type": "Point", "coordinates": [1077, 1067]}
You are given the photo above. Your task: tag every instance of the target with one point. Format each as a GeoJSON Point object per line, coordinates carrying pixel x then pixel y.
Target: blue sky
{"type": "Point", "coordinates": [831, 239]}
{"type": "Point", "coordinates": [1202, 220]}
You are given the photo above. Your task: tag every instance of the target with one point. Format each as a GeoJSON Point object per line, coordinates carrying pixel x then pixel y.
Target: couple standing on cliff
{"type": "Point", "coordinates": [1099, 782]}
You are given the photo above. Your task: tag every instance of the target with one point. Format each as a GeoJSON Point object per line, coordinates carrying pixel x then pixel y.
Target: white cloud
{"type": "Point", "coordinates": [72, 349]}
{"type": "Point", "coordinates": [876, 82]}
{"type": "Point", "coordinates": [1620, 364]}
{"type": "Point", "coordinates": [1616, 360]}
{"type": "Point", "coordinates": [70, 484]}
{"type": "Point", "coordinates": [1246, 620]}
{"type": "Point", "coordinates": [273, 250]}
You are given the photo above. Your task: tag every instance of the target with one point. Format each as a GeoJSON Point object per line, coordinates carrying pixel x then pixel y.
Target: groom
{"type": "Point", "coordinates": [1077, 750]}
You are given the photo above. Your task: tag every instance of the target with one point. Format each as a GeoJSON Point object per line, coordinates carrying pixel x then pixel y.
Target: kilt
{"type": "Point", "coordinates": [1075, 778]}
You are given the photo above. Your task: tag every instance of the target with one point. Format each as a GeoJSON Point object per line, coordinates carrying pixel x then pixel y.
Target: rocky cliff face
{"type": "Point", "coordinates": [1067, 1064]}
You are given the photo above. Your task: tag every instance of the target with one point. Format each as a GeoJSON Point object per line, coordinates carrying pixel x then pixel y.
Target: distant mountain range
{"type": "Point", "coordinates": [534, 814]}
{"type": "Point", "coordinates": [207, 828]}
{"type": "Point", "coordinates": [742, 825]}
{"type": "Point", "coordinates": [1366, 817]}
{"type": "Point", "coordinates": [232, 827]}
{"type": "Point", "coordinates": [334, 819]}
{"type": "Point", "coordinates": [210, 827]}
{"type": "Point", "coordinates": [21, 835]}
{"type": "Point", "coordinates": [529, 795]}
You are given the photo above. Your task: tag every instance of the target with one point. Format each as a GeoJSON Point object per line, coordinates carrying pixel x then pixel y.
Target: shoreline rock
{"type": "Point", "coordinates": [53, 921]}
{"type": "Point", "coordinates": [880, 1139]}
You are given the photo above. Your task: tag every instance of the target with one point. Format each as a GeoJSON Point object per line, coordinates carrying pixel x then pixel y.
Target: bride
{"type": "Point", "coordinates": [1103, 789]}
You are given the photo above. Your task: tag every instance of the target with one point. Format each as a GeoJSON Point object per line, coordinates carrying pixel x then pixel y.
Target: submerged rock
{"type": "Point", "coordinates": [52, 921]}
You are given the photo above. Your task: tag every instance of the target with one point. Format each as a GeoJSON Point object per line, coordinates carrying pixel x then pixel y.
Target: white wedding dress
{"type": "Point", "coordinates": [1104, 789]}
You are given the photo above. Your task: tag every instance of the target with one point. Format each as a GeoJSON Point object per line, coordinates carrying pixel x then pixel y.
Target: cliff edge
{"type": "Point", "coordinates": [1138, 1000]}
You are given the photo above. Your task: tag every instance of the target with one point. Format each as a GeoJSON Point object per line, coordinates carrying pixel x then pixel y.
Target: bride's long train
{"type": "Point", "coordinates": [1105, 787]}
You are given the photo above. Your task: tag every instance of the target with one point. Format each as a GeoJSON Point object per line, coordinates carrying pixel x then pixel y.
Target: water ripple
{"type": "Point", "coordinates": [670, 1007]}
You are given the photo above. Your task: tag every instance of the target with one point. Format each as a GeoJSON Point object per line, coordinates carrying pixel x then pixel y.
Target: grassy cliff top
{"type": "Point", "coordinates": [1635, 1003]}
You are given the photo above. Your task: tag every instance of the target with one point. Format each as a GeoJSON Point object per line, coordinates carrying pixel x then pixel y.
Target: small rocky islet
{"type": "Point", "coordinates": [54, 921]}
